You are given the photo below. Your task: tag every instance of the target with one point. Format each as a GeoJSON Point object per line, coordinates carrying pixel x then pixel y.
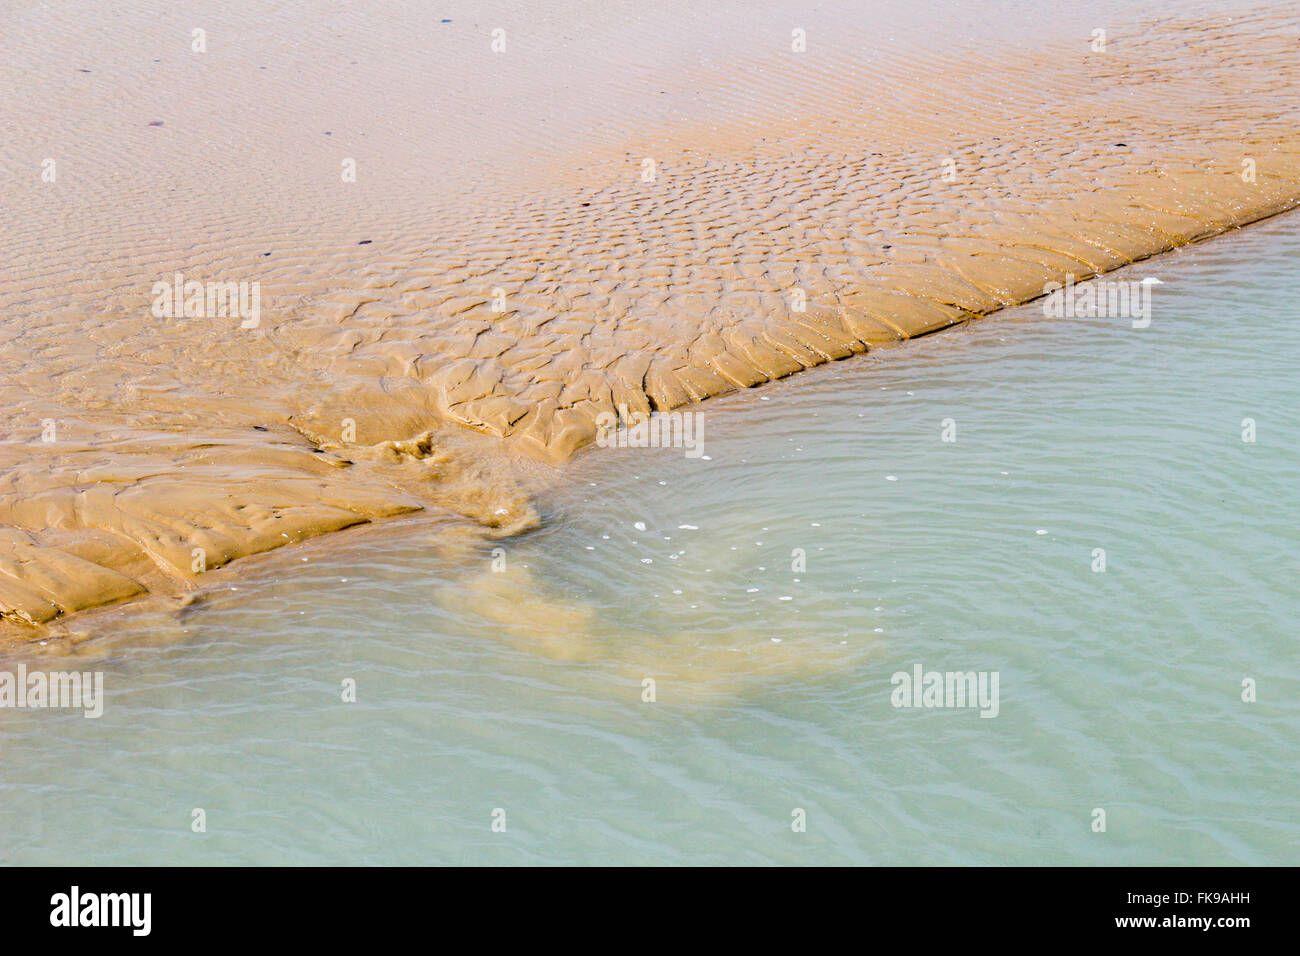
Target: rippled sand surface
{"type": "Point", "coordinates": [618, 209]}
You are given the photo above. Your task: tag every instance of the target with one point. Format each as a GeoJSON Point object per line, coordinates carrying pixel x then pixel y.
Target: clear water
{"type": "Point", "coordinates": [522, 689]}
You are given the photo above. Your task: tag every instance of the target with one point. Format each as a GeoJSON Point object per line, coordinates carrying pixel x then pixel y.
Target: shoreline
{"type": "Point", "coordinates": [65, 633]}
{"type": "Point", "coordinates": [528, 316]}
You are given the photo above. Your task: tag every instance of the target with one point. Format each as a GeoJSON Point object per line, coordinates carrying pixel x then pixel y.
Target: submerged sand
{"type": "Point", "coordinates": [632, 218]}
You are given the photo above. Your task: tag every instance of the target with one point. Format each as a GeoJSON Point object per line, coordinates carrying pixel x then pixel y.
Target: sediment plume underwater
{"type": "Point", "coordinates": [845, 196]}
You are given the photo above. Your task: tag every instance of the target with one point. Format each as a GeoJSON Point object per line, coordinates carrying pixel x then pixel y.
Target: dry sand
{"type": "Point", "coordinates": [503, 270]}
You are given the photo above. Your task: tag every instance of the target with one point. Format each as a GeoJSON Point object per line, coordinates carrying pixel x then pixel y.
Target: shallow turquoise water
{"type": "Point", "coordinates": [522, 689]}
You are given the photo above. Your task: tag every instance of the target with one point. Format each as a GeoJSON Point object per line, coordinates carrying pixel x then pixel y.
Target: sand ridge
{"type": "Point", "coordinates": [646, 268]}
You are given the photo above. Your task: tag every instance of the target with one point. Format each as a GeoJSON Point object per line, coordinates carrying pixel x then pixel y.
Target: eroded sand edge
{"type": "Point", "coordinates": [145, 452]}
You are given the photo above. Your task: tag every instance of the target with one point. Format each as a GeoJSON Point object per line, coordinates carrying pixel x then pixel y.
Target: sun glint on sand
{"type": "Point", "coordinates": [454, 276]}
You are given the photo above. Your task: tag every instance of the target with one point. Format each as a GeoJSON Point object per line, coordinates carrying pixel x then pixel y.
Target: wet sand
{"type": "Point", "coordinates": [620, 211]}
